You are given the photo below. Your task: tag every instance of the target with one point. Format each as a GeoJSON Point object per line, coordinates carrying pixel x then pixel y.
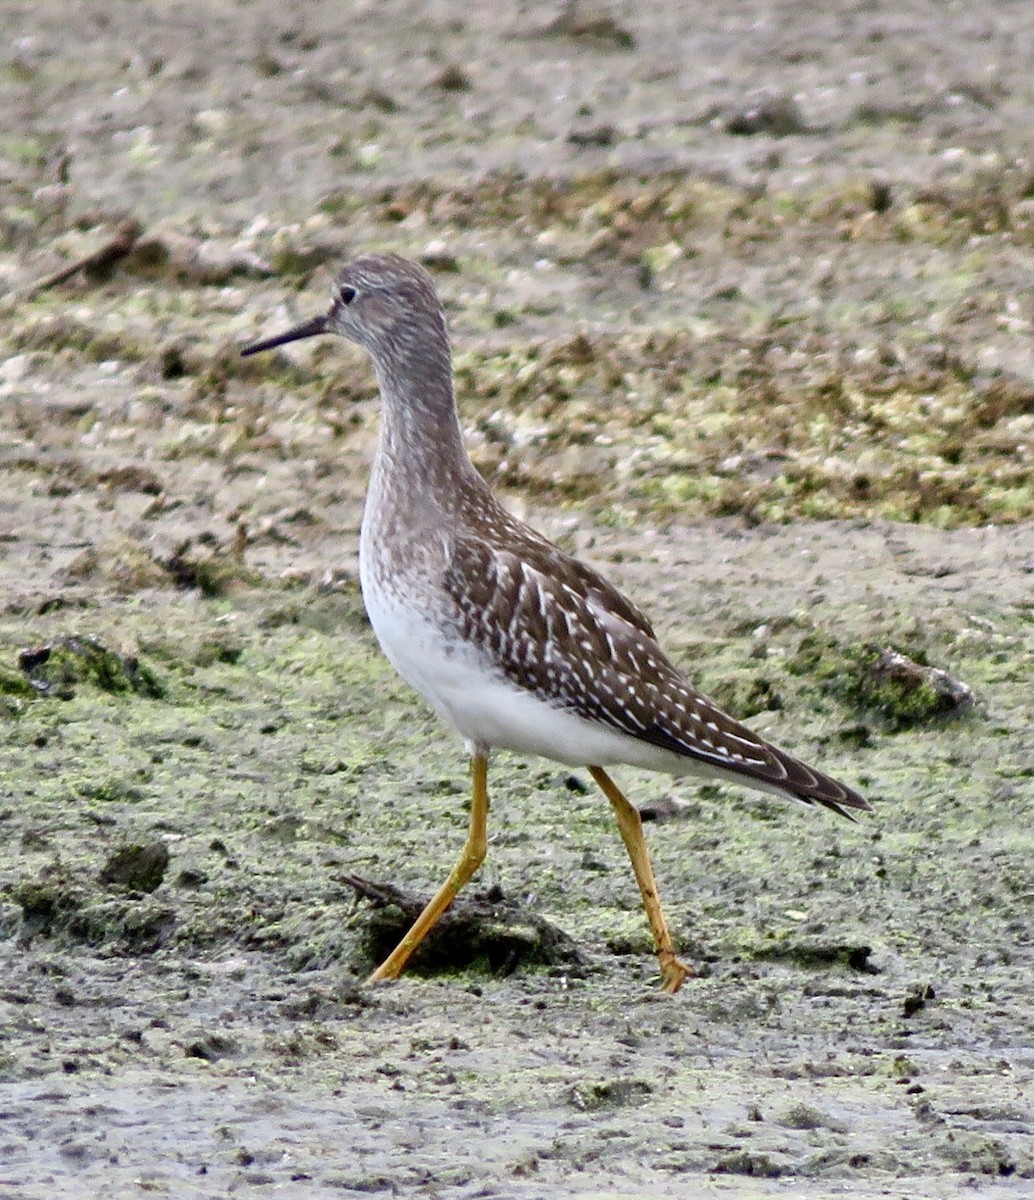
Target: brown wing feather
{"type": "Point", "coordinates": [521, 602]}
{"type": "Point", "coordinates": [546, 558]}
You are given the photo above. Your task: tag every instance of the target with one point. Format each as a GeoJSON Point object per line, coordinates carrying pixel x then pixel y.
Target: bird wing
{"type": "Point", "coordinates": [554, 627]}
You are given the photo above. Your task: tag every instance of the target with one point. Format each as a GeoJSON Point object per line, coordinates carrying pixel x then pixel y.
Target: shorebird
{"type": "Point", "coordinates": [515, 644]}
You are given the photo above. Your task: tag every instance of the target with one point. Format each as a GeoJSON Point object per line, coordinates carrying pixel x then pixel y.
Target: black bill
{"type": "Point", "coordinates": [307, 329]}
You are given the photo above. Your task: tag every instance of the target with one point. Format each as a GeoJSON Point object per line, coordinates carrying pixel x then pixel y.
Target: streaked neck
{"type": "Point", "coordinates": [421, 444]}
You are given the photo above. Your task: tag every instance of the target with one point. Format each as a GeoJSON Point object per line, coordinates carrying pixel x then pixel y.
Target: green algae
{"type": "Point", "coordinates": [830, 445]}
{"type": "Point", "coordinates": [297, 756]}
{"type": "Point", "coordinates": [863, 677]}
{"type": "Point", "coordinates": [14, 688]}
{"type": "Point", "coordinates": [72, 661]}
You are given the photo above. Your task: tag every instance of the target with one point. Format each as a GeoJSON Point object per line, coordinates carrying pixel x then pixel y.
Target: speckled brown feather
{"type": "Point", "coordinates": [555, 627]}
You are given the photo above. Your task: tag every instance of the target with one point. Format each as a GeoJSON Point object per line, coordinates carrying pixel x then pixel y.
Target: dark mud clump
{"type": "Point", "coordinates": [61, 907]}
{"type": "Point", "coordinates": [483, 932]}
{"type": "Point", "coordinates": [60, 667]}
{"type": "Point", "coordinates": [137, 867]}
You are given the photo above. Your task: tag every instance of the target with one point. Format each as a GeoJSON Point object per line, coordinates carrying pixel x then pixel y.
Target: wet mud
{"type": "Point", "coordinates": [742, 312]}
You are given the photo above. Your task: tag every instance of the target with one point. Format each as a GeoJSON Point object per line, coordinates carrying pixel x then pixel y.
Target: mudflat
{"type": "Point", "coordinates": [742, 313]}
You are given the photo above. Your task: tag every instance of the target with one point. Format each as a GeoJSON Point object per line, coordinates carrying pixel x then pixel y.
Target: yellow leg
{"type": "Point", "coordinates": [673, 970]}
{"type": "Point", "coordinates": [472, 857]}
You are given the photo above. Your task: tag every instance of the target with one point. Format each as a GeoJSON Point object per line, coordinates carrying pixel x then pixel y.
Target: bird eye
{"type": "Point", "coordinates": [347, 295]}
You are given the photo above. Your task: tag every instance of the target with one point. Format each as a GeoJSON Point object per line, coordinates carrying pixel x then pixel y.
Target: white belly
{"type": "Point", "coordinates": [489, 711]}
{"type": "Point", "coordinates": [481, 705]}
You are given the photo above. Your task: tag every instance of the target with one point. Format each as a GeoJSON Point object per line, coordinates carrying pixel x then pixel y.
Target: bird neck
{"type": "Point", "coordinates": [421, 450]}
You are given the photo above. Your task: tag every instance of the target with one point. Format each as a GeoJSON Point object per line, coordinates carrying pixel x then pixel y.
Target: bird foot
{"type": "Point", "coordinates": [674, 972]}
{"type": "Point", "coordinates": [382, 974]}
